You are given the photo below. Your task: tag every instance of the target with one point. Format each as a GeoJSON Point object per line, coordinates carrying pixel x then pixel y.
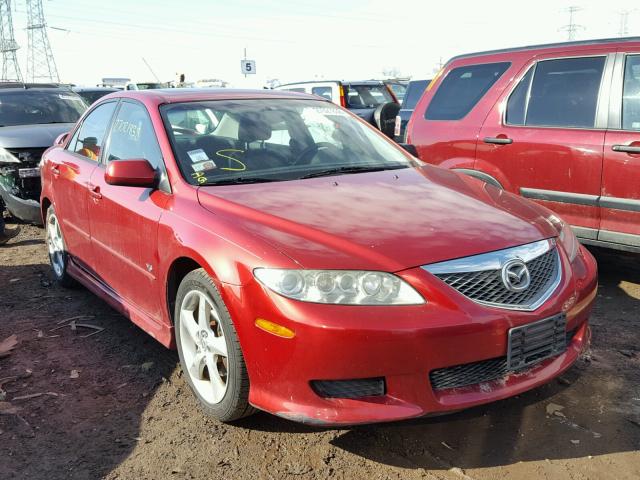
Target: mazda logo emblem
{"type": "Point", "coordinates": [515, 275]}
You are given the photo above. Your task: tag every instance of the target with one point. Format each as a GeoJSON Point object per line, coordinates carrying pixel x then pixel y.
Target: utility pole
{"type": "Point", "coordinates": [624, 23]}
{"type": "Point", "coordinates": [41, 66]}
{"type": "Point", "coordinates": [8, 45]}
{"type": "Point", "coordinates": [572, 28]}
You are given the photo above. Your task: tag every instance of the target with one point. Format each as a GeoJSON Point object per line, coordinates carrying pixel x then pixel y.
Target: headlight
{"type": "Point", "coordinates": [7, 157]}
{"type": "Point", "coordinates": [566, 236]}
{"type": "Point", "coordinates": [350, 287]}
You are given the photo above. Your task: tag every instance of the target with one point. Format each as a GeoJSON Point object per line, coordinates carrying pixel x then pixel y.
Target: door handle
{"type": "Point", "coordinates": [626, 148]}
{"type": "Point", "coordinates": [498, 140]}
{"type": "Point", "coordinates": [94, 191]}
{"type": "Point", "coordinates": [55, 171]}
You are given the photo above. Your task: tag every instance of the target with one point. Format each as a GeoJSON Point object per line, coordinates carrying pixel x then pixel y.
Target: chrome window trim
{"type": "Point", "coordinates": [495, 261]}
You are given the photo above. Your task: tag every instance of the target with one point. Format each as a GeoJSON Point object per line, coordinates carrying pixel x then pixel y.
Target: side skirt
{"type": "Point", "coordinates": [162, 333]}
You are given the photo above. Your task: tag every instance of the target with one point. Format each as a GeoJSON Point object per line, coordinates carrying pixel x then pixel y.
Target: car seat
{"type": "Point", "coordinates": [253, 129]}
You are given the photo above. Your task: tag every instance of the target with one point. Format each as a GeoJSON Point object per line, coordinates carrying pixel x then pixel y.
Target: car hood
{"type": "Point", "coordinates": [389, 220]}
{"type": "Point", "coordinates": [32, 136]}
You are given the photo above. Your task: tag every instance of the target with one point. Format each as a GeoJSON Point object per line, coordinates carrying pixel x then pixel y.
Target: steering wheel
{"type": "Point", "coordinates": [311, 151]}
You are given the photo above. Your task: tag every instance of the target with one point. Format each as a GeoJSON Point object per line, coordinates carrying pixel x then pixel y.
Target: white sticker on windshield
{"type": "Point", "coordinates": [198, 155]}
{"type": "Point", "coordinates": [204, 166]}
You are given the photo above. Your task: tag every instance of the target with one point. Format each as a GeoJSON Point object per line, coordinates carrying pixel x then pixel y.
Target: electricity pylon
{"type": "Point", "coordinates": [41, 66]}
{"type": "Point", "coordinates": [8, 45]}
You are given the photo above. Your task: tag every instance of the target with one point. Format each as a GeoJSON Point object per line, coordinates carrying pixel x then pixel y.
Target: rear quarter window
{"type": "Point", "coordinates": [462, 89]}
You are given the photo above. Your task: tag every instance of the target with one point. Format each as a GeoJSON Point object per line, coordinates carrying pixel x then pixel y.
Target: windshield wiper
{"type": "Point", "coordinates": [239, 180]}
{"type": "Point", "coordinates": [352, 169]}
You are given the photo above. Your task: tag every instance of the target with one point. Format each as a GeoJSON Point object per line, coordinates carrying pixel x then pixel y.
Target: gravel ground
{"type": "Point", "coordinates": [114, 404]}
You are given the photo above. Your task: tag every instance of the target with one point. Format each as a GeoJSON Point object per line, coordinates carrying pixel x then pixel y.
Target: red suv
{"type": "Point", "coordinates": [559, 124]}
{"type": "Point", "coordinates": [304, 264]}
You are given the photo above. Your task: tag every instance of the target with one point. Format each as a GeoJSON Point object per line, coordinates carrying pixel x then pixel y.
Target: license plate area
{"type": "Point", "coordinates": [534, 342]}
{"type": "Point", "coordinates": [28, 172]}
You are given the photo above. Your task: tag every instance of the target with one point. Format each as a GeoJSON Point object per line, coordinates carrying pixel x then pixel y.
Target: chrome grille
{"type": "Point", "coordinates": [480, 277]}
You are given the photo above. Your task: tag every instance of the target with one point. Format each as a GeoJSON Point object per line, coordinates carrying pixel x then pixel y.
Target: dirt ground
{"type": "Point", "coordinates": [114, 405]}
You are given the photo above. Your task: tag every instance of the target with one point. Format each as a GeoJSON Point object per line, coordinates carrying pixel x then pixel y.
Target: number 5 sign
{"type": "Point", "coordinates": [248, 67]}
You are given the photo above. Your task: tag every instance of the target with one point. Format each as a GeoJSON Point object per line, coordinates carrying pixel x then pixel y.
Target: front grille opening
{"type": "Point", "coordinates": [358, 388]}
{"type": "Point", "coordinates": [487, 286]}
{"type": "Point", "coordinates": [479, 372]}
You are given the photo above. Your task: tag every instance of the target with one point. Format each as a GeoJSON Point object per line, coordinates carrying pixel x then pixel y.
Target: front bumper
{"type": "Point", "coordinates": [402, 344]}
{"type": "Point", "coordinates": [26, 210]}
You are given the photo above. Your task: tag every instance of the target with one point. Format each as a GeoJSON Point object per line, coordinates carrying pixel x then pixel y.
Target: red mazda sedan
{"type": "Point", "coordinates": [304, 264]}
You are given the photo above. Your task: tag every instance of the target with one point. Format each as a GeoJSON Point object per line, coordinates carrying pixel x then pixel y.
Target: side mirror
{"type": "Point", "coordinates": [61, 139]}
{"type": "Point", "coordinates": [410, 148]}
{"type": "Point", "coordinates": [131, 173]}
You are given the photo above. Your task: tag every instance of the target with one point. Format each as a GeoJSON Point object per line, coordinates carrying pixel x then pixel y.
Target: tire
{"type": "Point", "coordinates": [200, 349]}
{"type": "Point", "coordinates": [58, 255]}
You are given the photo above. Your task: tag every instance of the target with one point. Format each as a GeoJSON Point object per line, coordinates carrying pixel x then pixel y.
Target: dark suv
{"type": "Point", "coordinates": [31, 117]}
{"type": "Point", "coordinates": [412, 94]}
{"type": "Point", "coordinates": [559, 124]}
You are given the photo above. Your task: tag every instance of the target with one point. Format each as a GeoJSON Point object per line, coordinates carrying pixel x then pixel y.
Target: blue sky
{"type": "Point", "coordinates": [297, 40]}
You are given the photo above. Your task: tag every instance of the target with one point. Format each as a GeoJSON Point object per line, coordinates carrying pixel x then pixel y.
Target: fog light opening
{"type": "Point", "coordinates": [356, 388]}
{"type": "Point", "coordinates": [274, 328]}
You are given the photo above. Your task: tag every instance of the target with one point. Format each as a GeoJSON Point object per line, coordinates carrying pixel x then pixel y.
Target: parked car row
{"type": "Point", "coordinates": [372, 100]}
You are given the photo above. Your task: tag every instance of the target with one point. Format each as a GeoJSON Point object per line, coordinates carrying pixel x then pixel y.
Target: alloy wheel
{"type": "Point", "coordinates": [204, 346]}
{"type": "Point", "coordinates": [55, 245]}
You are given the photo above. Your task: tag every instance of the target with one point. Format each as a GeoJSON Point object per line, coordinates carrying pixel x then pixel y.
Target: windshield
{"type": "Point", "coordinates": [247, 141]}
{"type": "Point", "coordinates": [29, 107]}
{"type": "Point", "coordinates": [367, 96]}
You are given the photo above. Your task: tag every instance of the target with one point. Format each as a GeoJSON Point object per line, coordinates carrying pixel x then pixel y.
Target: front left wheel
{"type": "Point", "coordinates": [209, 349]}
{"type": "Point", "coordinates": [58, 255]}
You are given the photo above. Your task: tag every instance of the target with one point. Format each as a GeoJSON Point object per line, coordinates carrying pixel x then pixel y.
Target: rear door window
{"type": "Point", "coordinates": [518, 101]}
{"type": "Point", "coordinates": [631, 94]}
{"type": "Point", "coordinates": [563, 93]}
{"type": "Point", "coordinates": [462, 89]}
{"type": "Point", "coordinates": [89, 138]}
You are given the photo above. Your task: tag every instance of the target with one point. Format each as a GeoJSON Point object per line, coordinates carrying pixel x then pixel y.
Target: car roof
{"type": "Point", "coordinates": [343, 82]}
{"type": "Point", "coordinates": [177, 95]}
{"type": "Point", "coordinates": [94, 89]}
{"type": "Point", "coordinates": [550, 47]}
{"type": "Point", "coordinates": [33, 86]}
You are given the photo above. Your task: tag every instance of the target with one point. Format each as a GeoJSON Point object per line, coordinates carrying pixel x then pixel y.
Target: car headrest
{"type": "Point", "coordinates": [252, 129]}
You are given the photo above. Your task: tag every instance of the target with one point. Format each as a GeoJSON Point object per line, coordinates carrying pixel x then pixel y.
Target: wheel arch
{"type": "Point", "coordinates": [179, 268]}
{"type": "Point", "coordinates": [45, 203]}
{"type": "Point", "coordinates": [485, 177]}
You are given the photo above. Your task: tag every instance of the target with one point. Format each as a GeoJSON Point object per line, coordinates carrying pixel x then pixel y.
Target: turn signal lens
{"type": "Point", "coordinates": [274, 328]}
